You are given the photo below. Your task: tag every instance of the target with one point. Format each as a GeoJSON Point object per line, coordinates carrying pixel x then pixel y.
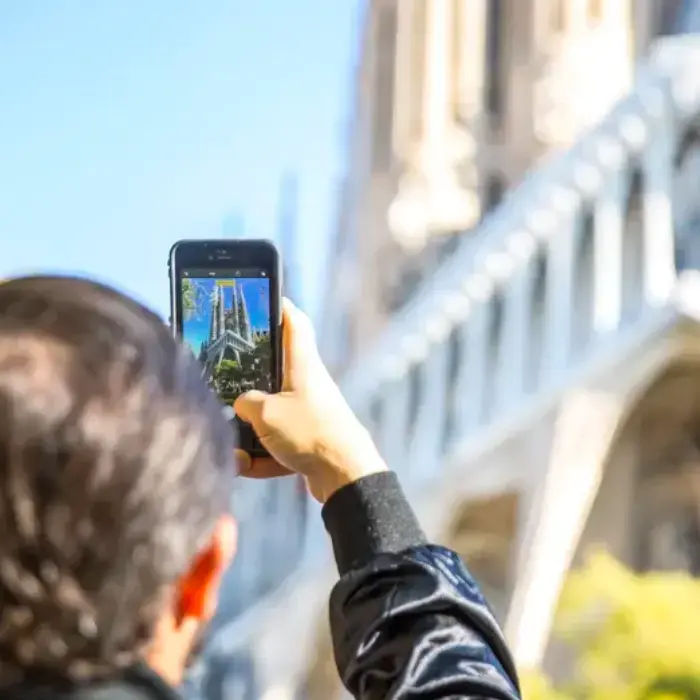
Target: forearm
{"type": "Point", "coordinates": [407, 618]}
{"type": "Point", "coordinates": [370, 517]}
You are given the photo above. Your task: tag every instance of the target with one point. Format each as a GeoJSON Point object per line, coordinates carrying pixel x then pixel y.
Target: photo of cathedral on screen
{"type": "Point", "coordinates": [236, 357]}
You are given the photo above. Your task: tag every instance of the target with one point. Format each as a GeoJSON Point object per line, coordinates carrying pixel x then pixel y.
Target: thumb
{"type": "Point", "coordinates": [249, 407]}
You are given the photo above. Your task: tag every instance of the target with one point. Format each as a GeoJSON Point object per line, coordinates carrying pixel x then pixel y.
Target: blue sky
{"type": "Point", "coordinates": [257, 296]}
{"type": "Point", "coordinates": [127, 125]}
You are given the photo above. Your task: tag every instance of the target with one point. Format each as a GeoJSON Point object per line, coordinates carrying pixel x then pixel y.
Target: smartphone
{"type": "Point", "coordinates": [225, 299]}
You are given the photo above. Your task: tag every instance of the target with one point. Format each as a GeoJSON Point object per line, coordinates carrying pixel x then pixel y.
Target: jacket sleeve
{"type": "Point", "coordinates": [407, 619]}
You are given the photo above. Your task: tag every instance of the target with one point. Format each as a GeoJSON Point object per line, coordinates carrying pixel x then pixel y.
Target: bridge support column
{"type": "Point", "coordinates": [394, 437]}
{"type": "Point", "coordinates": [560, 297]}
{"type": "Point", "coordinates": [426, 441]}
{"type": "Point", "coordinates": [582, 437]}
{"type": "Point", "coordinates": [511, 373]}
{"type": "Point", "coordinates": [608, 224]}
{"type": "Point", "coordinates": [471, 384]}
{"type": "Point", "coordinates": [659, 240]}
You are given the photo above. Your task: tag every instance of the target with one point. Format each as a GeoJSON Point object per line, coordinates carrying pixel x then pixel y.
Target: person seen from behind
{"type": "Point", "coordinates": [116, 470]}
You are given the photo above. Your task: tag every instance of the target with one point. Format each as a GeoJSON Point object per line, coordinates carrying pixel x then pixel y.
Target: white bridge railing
{"type": "Point", "coordinates": [579, 252]}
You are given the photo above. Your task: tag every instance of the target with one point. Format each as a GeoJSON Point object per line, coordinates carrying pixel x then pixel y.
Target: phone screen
{"type": "Point", "coordinates": [226, 323]}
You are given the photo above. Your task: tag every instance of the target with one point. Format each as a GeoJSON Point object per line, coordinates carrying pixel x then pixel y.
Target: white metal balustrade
{"type": "Point", "coordinates": [577, 265]}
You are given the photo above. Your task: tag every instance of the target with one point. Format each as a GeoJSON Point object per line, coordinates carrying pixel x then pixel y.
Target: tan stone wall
{"type": "Point", "coordinates": [424, 126]}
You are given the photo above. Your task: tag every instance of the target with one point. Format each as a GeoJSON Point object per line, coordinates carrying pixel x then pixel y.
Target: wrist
{"type": "Point", "coordinates": [334, 481]}
{"type": "Point", "coordinates": [337, 468]}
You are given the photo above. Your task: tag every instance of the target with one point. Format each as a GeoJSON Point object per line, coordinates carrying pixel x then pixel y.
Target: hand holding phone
{"type": "Point", "coordinates": [225, 306]}
{"type": "Point", "coordinates": [308, 427]}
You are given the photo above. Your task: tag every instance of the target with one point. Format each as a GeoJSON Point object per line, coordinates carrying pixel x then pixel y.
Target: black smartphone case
{"type": "Point", "coordinates": [246, 438]}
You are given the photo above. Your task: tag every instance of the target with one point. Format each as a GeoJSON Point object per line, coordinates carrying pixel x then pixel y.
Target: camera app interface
{"type": "Point", "coordinates": [226, 323]}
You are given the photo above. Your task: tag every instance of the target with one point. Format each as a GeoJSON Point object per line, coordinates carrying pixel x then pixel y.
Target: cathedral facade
{"type": "Point", "coordinates": [230, 330]}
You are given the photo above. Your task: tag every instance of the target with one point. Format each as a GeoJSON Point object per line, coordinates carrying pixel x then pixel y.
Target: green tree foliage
{"type": "Point", "coordinates": [194, 298]}
{"type": "Point", "coordinates": [260, 362]}
{"type": "Point", "coordinates": [635, 636]}
{"type": "Point", "coordinates": [189, 299]}
{"type": "Point", "coordinates": [536, 686]}
{"type": "Point", "coordinates": [230, 377]}
{"type": "Point", "coordinates": [226, 377]}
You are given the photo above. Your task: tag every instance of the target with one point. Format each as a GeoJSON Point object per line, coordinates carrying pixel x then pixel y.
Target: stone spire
{"type": "Point", "coordinates": [234, 323]}
{"type": "Point", "coordinates": [245, 329]}
{"type": "Point", "coordinates": [216, 323]}
{"type": "Point", "coordinates": [221, 311]}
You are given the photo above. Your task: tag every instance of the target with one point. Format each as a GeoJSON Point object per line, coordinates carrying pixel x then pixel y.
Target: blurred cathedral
{"type": "Point", "coordinates": [455, 100]}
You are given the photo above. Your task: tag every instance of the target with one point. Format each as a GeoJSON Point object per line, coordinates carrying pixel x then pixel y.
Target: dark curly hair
{"type": "Point", "coordinates": [115, 461]}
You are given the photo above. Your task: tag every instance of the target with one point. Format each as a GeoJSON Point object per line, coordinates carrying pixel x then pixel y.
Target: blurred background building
{"type": "Point", "coordinates": [512, 307]}
{"type": "Point", "coordinates": [454, 102]}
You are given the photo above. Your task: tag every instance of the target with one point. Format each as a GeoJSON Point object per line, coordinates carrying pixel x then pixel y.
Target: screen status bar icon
{"type": "Point", "coordinates": [225, 273]}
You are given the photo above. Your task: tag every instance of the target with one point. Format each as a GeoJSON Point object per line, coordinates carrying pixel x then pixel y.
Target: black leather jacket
{"type": "Point", "coordinates": [408, 621]}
